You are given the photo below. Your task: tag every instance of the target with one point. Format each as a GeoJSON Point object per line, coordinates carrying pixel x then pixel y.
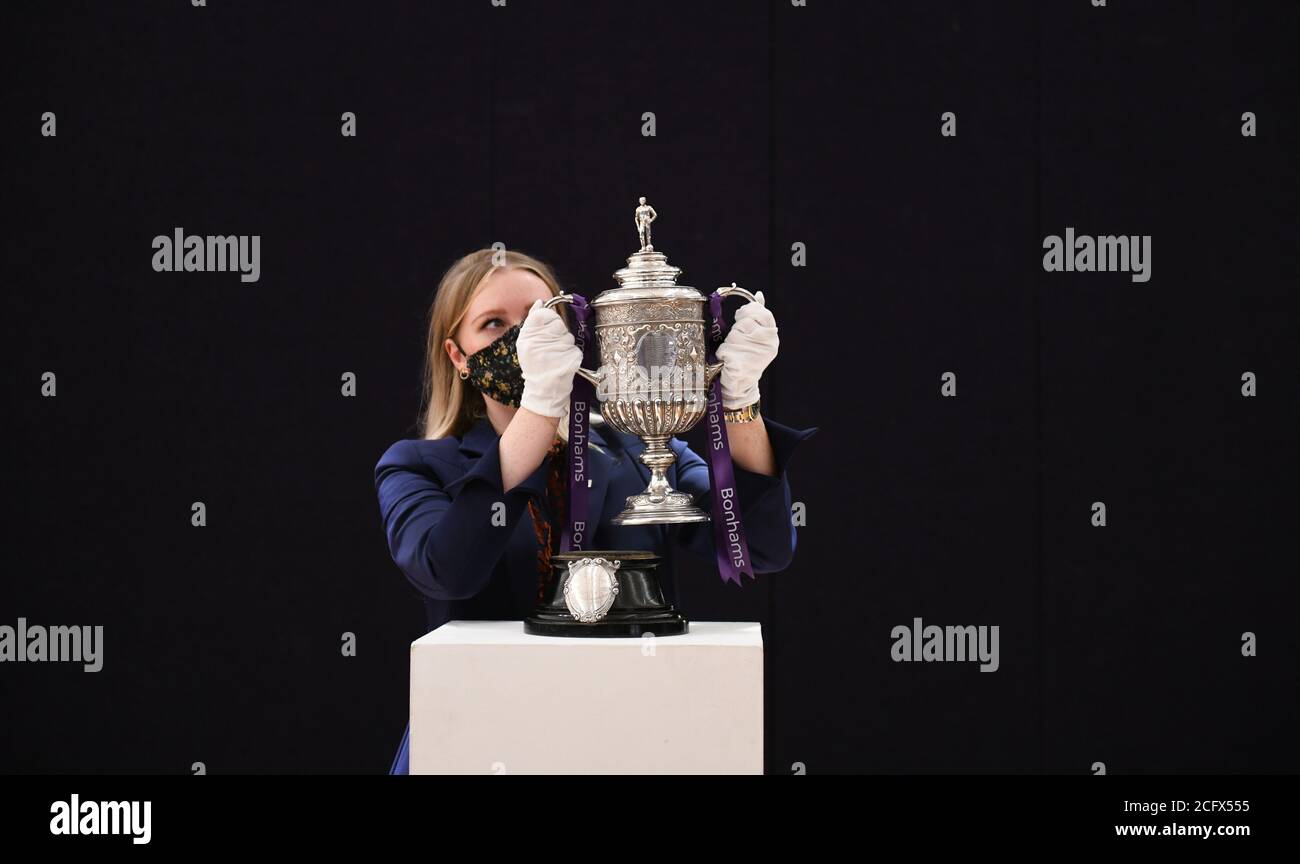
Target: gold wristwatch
{"type": "Point", "coordinates": [747, 414]}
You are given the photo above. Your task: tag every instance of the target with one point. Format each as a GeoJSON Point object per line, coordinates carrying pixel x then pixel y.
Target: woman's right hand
{"type": "Point", "coordinates": [549, 357]}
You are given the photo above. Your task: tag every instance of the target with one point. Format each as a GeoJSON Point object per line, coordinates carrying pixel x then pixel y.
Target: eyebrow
{"type": "Point", "coordinates": [479, 316]}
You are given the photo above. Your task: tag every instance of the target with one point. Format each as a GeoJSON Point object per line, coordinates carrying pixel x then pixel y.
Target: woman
{"type": "Point", "coordinates": [498, 374]}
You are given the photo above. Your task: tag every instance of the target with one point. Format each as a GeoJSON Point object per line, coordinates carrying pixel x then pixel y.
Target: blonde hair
{"type": "Point", "coordinates": [449, 406]}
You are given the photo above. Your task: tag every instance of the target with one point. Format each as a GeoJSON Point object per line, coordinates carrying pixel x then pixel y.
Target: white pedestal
{"type": "Point", "coordinates": [487, 698]}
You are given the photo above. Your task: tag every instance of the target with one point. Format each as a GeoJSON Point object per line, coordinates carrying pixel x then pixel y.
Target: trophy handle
{"type": "Point", "coordinates": [593, 377]}
{"type": "Point", "coordinates": [712, 370]}
{"type": "Point", "coordinates": [727, 290]}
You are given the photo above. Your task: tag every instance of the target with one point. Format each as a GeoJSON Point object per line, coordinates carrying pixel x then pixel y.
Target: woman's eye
{"type": "Point", "coordinates": [489, 322]}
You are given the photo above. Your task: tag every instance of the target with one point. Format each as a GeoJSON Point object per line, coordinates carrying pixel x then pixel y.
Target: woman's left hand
{"type": "Point", "coordinates": [750, 345]}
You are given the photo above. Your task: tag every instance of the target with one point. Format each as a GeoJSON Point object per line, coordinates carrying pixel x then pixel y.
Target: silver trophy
{"type": "Point", "coordinates": [653, 380]}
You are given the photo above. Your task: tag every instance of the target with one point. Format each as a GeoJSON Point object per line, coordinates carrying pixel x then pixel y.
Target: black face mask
{"type": "Point", "coordinates": [494, 370]}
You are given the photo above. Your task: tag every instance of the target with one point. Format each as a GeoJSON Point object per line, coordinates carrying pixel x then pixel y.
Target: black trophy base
{"type": "Point", "coordinates": [639, 607]}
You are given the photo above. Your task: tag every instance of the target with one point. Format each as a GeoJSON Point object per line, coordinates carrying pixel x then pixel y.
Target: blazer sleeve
{"type": "Point", "coordinates": [765, 500]}
{"type": "Point", "coordinates": [444, 537]}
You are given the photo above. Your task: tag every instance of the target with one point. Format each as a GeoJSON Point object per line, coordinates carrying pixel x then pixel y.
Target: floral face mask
{"type": "Point", "coordinates": [494, 369]}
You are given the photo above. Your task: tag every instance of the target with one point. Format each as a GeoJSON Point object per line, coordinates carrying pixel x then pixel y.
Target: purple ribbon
{"type": "Point", "coordinates": [730, 547]}
{"type": "Point", "coordinates": [581, 398]}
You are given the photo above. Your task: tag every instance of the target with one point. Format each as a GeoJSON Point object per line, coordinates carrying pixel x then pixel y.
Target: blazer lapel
{"type": "Point", "coordinates": [615, 449]}
{"type": "Point", "coordinates": [601, 464]}
{"type": "Point", "coordinates": [477, 439]}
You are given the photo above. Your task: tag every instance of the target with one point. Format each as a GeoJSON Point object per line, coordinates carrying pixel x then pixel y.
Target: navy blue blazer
{"type": "Point", "coordinates": [436, 498]}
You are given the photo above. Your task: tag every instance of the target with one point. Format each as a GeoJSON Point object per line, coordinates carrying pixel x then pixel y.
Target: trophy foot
{"type": "Point", "coordinates": [639, 608]}
{"type": "Point", "coordinates": [669, 509]}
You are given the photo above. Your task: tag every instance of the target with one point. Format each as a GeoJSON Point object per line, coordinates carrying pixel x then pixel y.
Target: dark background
{"type": "Point", "coordinates": [775, 125]}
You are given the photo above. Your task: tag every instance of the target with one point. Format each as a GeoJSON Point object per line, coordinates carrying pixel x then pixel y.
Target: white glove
{"type": "Point", "coordinates": [548, 358]}
{"type": "Point", "coordinates": [749, 347]}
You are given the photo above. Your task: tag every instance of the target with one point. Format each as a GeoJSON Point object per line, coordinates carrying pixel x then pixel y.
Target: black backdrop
{"type": "Point", "coordinates": [775, 125]}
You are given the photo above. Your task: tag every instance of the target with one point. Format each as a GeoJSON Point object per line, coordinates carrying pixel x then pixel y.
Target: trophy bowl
{"type": "Point", "coordinates": [654, 378]}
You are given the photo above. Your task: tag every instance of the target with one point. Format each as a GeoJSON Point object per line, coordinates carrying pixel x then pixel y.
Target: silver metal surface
{"type": "Point", "coordinates": [590, 587]}
{"type": "Point", "coordinates": [653, 380]}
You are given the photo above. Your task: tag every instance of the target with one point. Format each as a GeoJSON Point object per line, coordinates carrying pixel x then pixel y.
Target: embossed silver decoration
{"type": "Point", "coordinates": [653, 380]}
{"type": "Point", "coordinates": [590, 587]}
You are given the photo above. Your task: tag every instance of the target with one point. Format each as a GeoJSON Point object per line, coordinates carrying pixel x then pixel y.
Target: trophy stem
{"type": "Point", "coordinates": [658, 457]}
{"type": "Point", "coordinates": [659, 503]}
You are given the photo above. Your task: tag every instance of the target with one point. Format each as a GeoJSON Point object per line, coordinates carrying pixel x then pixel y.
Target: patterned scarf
{"type": "Point", "coordinates": [548, 530]}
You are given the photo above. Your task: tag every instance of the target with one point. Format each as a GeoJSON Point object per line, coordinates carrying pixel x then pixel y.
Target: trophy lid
{"type": "Point", "coordinates": [648, 269]}
{"type": "Point", "coordinates": [648, 273]}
